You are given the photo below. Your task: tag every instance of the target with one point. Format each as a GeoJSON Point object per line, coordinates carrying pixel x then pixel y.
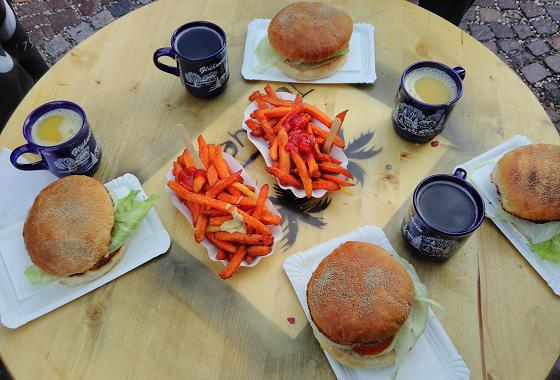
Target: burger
{"type": "Point", "coordinates": [366, 306]}
{"type": "Point", "coordinates": [311, 39]}
{"type": "Point", "coordinates": [528, 182]}
{"type": "Point", "coordinates": [75, 233]}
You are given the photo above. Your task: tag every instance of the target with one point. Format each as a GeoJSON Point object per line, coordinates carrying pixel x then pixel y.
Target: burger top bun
{"type": "Point", "coordinates": [68, 229]}
{"type": "Point", "coordinates": [309, 32]}
{"type": "Point", "coordinates": [359, 294]}
{"type": "Point", "coordinates": [528, 180]}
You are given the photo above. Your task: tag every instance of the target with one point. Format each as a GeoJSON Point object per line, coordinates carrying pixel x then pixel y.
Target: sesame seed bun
{"type": "Point", "coordinates": [528, 181]}
{"type": "Point", "coordinates": [309, 32]}
{"type": "Point", "coordinates": [68, 229]}
{"type": "Point", "coordinates": [359, 295]}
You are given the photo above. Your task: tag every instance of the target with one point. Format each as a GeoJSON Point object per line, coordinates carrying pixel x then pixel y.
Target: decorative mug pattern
{"type": "Point", "coordinates": [79, 155]}
{"type": "Point", "coordinates": [420, 122]}
{"type": "Point", "coordinates": [205, 77]}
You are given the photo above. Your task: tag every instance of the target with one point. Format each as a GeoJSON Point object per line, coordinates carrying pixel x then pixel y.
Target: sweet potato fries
{"type": "Point", "coordinates": [224, 210]}
{"type": "Point", "coordinates": [295, 142]}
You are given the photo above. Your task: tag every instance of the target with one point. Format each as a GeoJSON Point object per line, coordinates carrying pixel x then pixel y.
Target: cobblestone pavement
{"type": "Point", "coordinates": [524, 34]}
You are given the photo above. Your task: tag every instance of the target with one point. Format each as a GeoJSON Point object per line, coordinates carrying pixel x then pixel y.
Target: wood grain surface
{"type": "Point", "coordinates": [174, 317]}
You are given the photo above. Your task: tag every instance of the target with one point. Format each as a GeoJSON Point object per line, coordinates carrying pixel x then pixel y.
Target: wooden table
{"type": "Point", "coordinates": [173, 317]}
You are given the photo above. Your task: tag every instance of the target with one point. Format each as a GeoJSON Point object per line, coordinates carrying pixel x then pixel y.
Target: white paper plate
{"type": "Point", "coordinates": [433, 356]}
{"type": "Point", "coordinates": [210, 247]}
{"type": "Point", "coordinates": [262, 146]}
{"type": "Point", "coordinates": [483, 166]}
{"type": "Point", "coordinates": [358, 68]}
{"type": "Point", "coordinates": [21, 301]}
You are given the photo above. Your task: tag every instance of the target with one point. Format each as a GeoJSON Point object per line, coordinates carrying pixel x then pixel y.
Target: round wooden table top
{"type": "Point", "coordinates": [173, 316]}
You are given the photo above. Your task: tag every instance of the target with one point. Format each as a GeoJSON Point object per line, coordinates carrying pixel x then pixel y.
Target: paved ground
{"type": "Point", "coordinates": [524, 34]}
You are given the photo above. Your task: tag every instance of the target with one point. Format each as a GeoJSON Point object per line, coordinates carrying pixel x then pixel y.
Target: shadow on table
{"type": "Point", "coordinates": [4, 375]}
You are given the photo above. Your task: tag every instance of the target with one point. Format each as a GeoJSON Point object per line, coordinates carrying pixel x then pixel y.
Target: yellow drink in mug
{"type": "Point", "coordinates": [60, 134]}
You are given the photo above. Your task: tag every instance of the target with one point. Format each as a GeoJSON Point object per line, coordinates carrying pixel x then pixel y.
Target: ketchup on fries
{"type": "Point", "coordinates": [224, 209]}
{"type": "Point", "coordinates": [296, 142]}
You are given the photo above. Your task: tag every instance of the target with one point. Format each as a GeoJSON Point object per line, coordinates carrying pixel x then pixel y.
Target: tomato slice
{"type": "Point", "coordinates": [373, 349]}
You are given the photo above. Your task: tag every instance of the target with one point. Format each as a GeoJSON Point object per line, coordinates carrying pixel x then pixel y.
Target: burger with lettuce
{"type": "Point", "coordinates": [76, 231]}
{"type": "Point", "coordinates": [367, 307]}
{"type": "Point", "coordinates": [306, 41]}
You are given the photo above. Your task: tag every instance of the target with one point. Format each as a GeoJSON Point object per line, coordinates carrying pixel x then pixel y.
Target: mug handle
{"type": "Point", "coordinates": [165, 52]}
{"type": "Point", "coordinates": [460, 173]}
{"type": "Point", "coordinates": [459, 71]}
{"type": "Point", "coordinates": [27, 148]}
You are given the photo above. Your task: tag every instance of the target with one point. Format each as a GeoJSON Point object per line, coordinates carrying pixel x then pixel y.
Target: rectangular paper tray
{"type": "Point", "coordinates": [549, 271]}
{"type": "Point", "coordinates": [433, 356]}
{"type": "Point", "coordinates": [359, 66]}
{"type": "Point", "coordinates": [21, 302]}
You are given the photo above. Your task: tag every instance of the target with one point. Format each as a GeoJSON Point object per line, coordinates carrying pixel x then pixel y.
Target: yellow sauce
{"type": "Point", "coordinates": [236, 224]}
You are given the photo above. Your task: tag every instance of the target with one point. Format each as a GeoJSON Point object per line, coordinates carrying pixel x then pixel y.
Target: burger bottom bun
{"type": "Point", "coordinates": [90, 275]}
{"type": "Point", "coordinates": [354, 360]}
{"type": "Point", "coordinates": [306, 73]}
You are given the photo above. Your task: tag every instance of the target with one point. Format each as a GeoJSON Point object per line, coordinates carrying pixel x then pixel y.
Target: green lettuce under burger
{"type": "Point", "coordinates": [75, 232]}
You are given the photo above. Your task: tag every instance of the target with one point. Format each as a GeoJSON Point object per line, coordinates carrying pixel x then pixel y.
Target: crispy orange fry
{"type": "Point", "coordinates": [219, 162]}
{"type": "Point", "coordinates": [299, 99]}
{"type": "Point", "coordinates": [203, 151]}
{"type": "Point", "coordinates": [270, 91]}
{"type": "Point", "coordinates": [212, 175]}
{"type": "Point", "coordinates": [241, 238]}
{"type": "Point", "coordinates": [263, 195]}
{"type": "Point", "coordinates": [258, 132]}
{"type": "Point", "coordinates": [195, 210]}
{"type": "Point", "coordinates": [270, 113]}
{"type": "Point", "coordinates": [296, 109]}
{"type": "Point", "coordinates": [270, 219]}
{"type": "Point", "coordinates": [198, 182]}
{"type": "Point", "coordinates": [325, 185]}
{"type": "Point", "coordinates": [329, 167]}
{"type": "Point", "coordinates": [284, 178]}
{"type": "Point", "coordinates": [336, 179]}
{"type": "Point", "coordinates": [215, 203]}
{"type": "Point", "coordinates": [303, 173]}
{"type": "Point", "coordinates": [259, 250]}
{"type": "Point", "coordinates": [260, 103]}
{"type": "Point", "coordinates": [268, 131]}
{"type": "Point", "coordinates": [234, 262]}
{"type": "Point", "coordinates": [273, 151]}
{"type": "Point", "coordinates": [324, 156]}
{"type": "Point", "coordinates": [241, 201]}
{"type": "Point", "coordinates": [254, 95]}
{"type": "Point", "coordinates": [223, 183]}
{"type": "Point", "coordinates": [318, 114]}
{"type": "Point", "coordinates": [200, 229]}
{"type": "Point", "coordinates": [186, 159]}
{"type": "Point", "coordinates": [323, 135]}
{"type": "Point", "coordinates": [221, 255]}
{"type": "Point", "coordinates": [277, 102]}
{"type": "Point", "coordinates": [225, 245]}
{"type": "Point", "coordinates": [213, 212]}
{"type": "Point", "coordinates": [312, 165]}
{"type": "Point", "coordinates": [283, 155]}
{"type": "Point", "coordinates": [177, 168]}
{"type": "Point", "coordinates": [218, 220]}
{"type": "Point", "coordinates": [252, 124]}
{"type": "Point", "coordinates": [249, 259]}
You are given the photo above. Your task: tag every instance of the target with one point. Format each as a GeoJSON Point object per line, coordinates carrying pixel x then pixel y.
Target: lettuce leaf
{"type": "Point", "coordinates": [36, 275]}
{"type": "Point", "coordinates": [549, 249]}
{"type": "Point", "coordinates": [266, 55]}
{"type": "Point", "coordinates": [342, 52]}
{"type": "Point", "coordinates": [129, 213]}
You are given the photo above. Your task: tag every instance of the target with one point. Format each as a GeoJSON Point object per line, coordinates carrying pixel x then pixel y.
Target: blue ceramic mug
{"type": "Point", "coordinates": [445, 211]}
{"type": "Point", "coordinates": [79, 155]}
{"type": "Point", "coordinates": [416, 120]}
{"type": "Point", "coordinates": [199, 48]}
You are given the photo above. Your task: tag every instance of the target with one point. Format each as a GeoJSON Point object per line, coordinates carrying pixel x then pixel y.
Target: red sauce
{"type": "Point", "coordinates": [434, 143]}
{"type": "Point", "coordinates": [297, 121]}
{"type": "Point", "coordinates": [291, 320]}
{"type": "Point", "coordinates": [373, 349]}
{"type": "Point", "coordinates": [186, 177]}
{"type": "Point", "coordinates": [301, 141]}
